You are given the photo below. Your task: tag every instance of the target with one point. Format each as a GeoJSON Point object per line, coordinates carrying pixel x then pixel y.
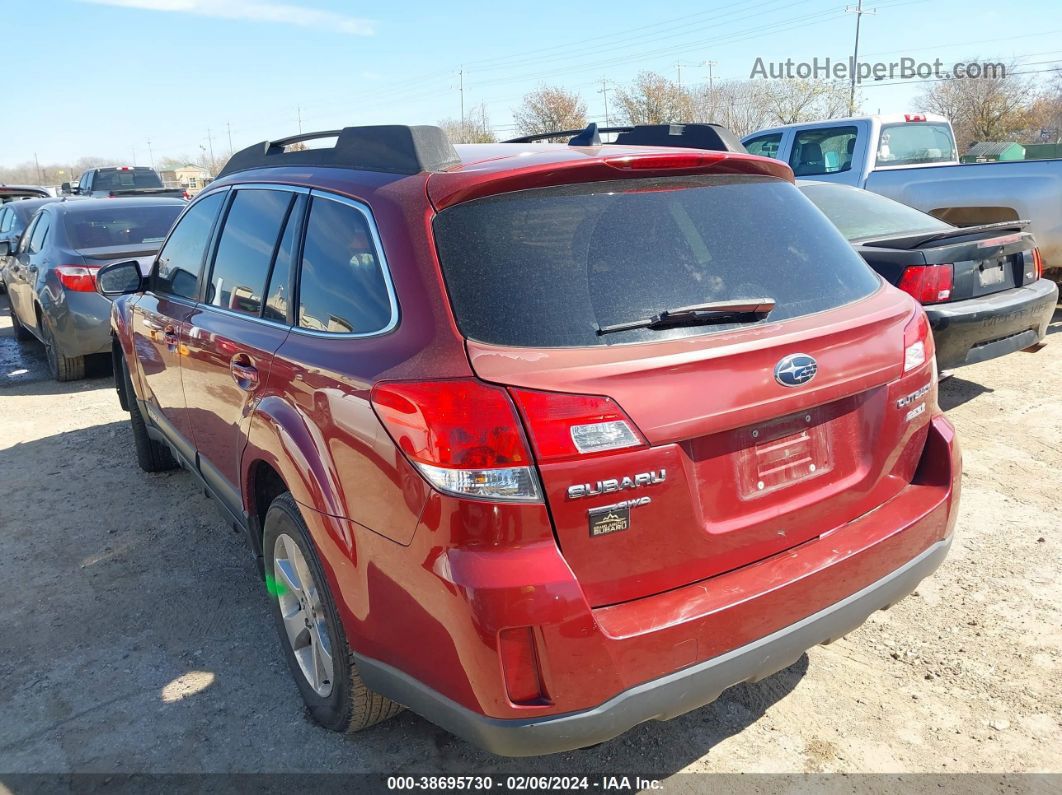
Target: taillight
{"type": "Point", "coordinates": [79, 278]}
{"type": "Point", "coordinates": [463, 436]}
{"type": "Point", "coordinates": [1038, 263]}
{"type": "Point", "coordinates": [666, 161]}
{"type": "Point", "coordinates": [929, 284]}
{"type": "Point", "coordinates": [566, 426]}
{"type": "Point", "coordinates": [917, 341]}
{"type": "Point", "coordinates": [914, 117]}
{"type": "Point", "coordinates": [519, 662]}
{"type": "Point", "coordinates": [186, 195]}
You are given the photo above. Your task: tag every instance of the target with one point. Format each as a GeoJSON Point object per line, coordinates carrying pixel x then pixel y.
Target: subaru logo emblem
{"type": "Point", "coordinates": [796, 369]}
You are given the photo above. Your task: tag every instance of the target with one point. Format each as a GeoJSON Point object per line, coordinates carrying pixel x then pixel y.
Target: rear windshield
{"type": "Point", "coordinates": [124, 180]}
{"type": "Point", "coordinates": [549, 267]}
{"type": "Point", "coordinates": [862, 215]}
{"type": "Point", "coordinates": [125, 226]}
{"type": "Point", "coordinates": [916, 142]}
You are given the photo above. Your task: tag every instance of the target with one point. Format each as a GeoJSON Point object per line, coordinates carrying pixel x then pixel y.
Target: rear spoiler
{"type": "Point", "coordinates": [918, 240]}
{"type": "Point", "coordinates": [691, 136]}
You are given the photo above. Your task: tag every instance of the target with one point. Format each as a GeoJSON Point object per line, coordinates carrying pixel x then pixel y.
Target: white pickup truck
{"type": "Point", "coordinates": [912, 158]}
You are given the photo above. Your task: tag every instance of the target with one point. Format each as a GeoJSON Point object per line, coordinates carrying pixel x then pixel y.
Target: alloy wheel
{"type": "Point", "coordinates": [305, 624]}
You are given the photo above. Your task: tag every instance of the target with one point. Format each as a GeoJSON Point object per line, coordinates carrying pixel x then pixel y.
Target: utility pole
{"type": "Point", "coordinates": [151, 155]}
{"type": "Point", "coordinates": [38, 164]}
{"type": "Point", "coordinates": [298, 110]}
{"type": "Point", "coordinates": [134, 154]}
{"type": "Point", "coordinates": [603, 91]}
{"type": "Point", "coordinates": [461, 90]}
{"type": "Point", "coordinates": [858, 11]}
{"type": "Point", "coordinates": [711, 89]}
{"type": "Point", "coordinates": [228, 129]}
{"type": "Point", "coordinates": [210, 142]}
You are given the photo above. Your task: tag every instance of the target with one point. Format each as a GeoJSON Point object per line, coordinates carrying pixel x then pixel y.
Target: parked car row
{"type": "Point", "coordinates": [544, 441]}
{"type": "Point", "coordinates": [912, 157]}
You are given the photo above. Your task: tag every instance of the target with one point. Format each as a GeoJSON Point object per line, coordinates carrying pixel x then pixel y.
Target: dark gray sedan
{"type": "Point", "coordinates": [51, 277]}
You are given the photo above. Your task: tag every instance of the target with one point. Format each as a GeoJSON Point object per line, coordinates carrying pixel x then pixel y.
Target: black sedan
{"type": "Point", "coordinates": [14, 216]}
{"type": "Point", "coordinates": [981, 285]}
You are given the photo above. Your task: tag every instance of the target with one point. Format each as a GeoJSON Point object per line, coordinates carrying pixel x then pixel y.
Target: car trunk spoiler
{"type": "Point", "coordinates": [910, 242]}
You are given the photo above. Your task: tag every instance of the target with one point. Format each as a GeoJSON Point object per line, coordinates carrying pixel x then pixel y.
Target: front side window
{"type": "Point", "coordinates": [824, 150]}
{"type": "Point", "coordinates": [342, 287]}
{"type": "Point", "coordinates": [765, 145]}
{"type": "Point", "coordinates": [181, 259]}
{"type": "Point", "coordinates": [245, 249]}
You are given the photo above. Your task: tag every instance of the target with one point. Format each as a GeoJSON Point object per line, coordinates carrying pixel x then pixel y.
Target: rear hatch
{"type": "Point", "coordinates": [733, 464]}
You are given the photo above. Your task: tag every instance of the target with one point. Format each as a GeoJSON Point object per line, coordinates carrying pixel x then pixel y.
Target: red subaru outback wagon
{"type": "Point", "coordinates": [539, 441]}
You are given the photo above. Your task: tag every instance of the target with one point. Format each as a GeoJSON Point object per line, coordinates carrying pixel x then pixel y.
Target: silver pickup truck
{"type": "Point", "coordinates": [912, 158]}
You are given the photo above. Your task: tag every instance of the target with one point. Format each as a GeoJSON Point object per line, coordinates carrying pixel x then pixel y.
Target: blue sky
{"type": "Point", "coordinates": [107, 76]}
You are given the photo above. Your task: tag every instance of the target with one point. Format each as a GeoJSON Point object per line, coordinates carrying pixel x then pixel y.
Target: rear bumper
{"type": "Point", "coordinates": [607, 669]}
{"type": "Point", "coordinates": [660, 699]}
{"type": "Point", "coordinates": [978, 329]}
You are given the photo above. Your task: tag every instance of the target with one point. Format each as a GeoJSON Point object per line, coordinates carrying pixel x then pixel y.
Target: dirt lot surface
{"type": "Point", "coordinates": [134, 635]}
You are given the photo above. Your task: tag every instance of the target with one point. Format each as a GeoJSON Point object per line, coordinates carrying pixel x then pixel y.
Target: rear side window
{"type": "Point", "coordinates": [277, 294]}
{"type": "Point", "coordinates": [126, 226]}
{"type": "Point", "coordinates": [549, 267]}
{"type": "Point", "coordinates": [40, 233]}
{"type": "Point", "coordinates": [764, 145]}
{"type": "Point", "coordinates": [248, 240]}
{"type": "Point", "coordinates": [7, 220]}
{"type": "Point", "coordinates": [824, 150]}
{"type": "Point", "coordinates": [181, 259]}
{"type": "Point", "coordinates": [342, 287]}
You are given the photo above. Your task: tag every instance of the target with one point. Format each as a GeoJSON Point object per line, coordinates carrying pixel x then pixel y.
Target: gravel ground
{"type": "Point", "coordinates": [135, 636]}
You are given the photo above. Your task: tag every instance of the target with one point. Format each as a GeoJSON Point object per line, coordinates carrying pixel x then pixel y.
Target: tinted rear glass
{"type": "Point", "coordinates": [124, 180]}
{"type": "Point", "coordinates": [120, 226]}
{"type": "Point", "coordinates": [548, 267]}
{"type": "Point", "coordinates": [862, 215]}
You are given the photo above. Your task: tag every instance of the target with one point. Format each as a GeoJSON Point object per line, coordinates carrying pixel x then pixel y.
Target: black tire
{"type": "Point", "coordinates": [22, 334]}
{"type": "Point", "coordinates": [350, 706]}
{"type": "Point", "coordinates": [151, 455]}
{"type": "Point", "coordinates": [63, 368]}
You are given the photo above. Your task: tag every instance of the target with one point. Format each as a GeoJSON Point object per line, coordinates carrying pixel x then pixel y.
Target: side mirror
{"type": "Point", "coordinates": [65, 188]}
{"type": "Point", "coordinates": [119, 278]}
{"type": "Point", "coordinates": [6, 248]}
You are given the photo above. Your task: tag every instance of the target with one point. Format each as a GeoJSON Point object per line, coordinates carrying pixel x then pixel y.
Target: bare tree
{"type": "Point", "coordinates": [994, 108]}
{"type": "Point", "coordinates": [792, 101]}
{"type": "Point", "coordinates": [653, 99]}
{"type": "Point", "coordinates": [550, 108]}
{"type": "Point", "coordinates": [739, 105]}
{"type": "Point", "coordinates": [474, 129]}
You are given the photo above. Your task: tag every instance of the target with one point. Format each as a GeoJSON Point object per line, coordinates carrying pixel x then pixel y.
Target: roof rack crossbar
{"type": "Point", "coordinates": [691, 136]}
{"type": "Point", "coordinates": [388, 148]}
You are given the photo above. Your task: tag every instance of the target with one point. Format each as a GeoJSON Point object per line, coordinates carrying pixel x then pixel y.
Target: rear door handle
{"type": "Point", "coordinates": [243, 371]}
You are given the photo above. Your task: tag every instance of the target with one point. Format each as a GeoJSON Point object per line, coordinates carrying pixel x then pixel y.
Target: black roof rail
{"type": "Point", "coordinates": [390, 148]}
{"type": "Point", "coordinates": [694, 136]}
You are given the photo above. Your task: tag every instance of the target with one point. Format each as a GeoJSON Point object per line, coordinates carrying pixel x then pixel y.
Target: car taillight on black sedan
{"type": "Point", "coordinates": [929, 284]}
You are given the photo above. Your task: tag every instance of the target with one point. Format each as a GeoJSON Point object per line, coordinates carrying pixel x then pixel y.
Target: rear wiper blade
{"type": "Point", "coordinates": [741, 310]}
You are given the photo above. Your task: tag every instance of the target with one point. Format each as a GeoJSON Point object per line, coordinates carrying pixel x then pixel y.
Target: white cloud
{"type": "Point", "coordinates": [286, 13]}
